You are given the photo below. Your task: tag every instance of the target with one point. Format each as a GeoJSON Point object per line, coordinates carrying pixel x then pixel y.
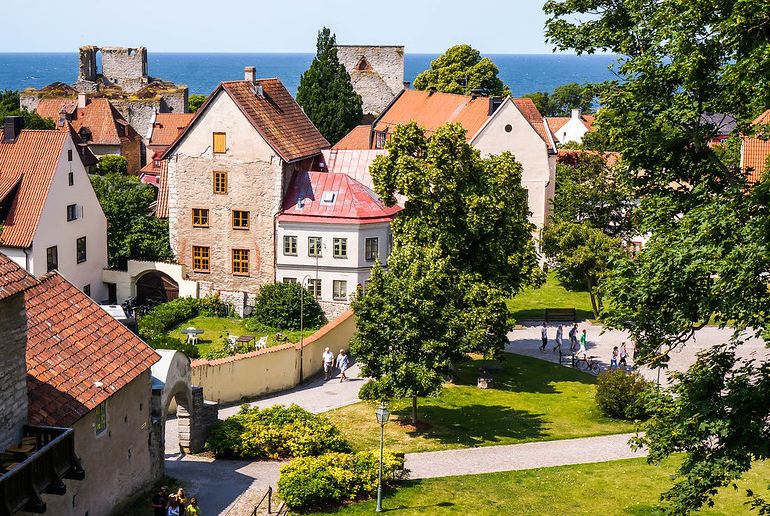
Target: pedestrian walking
{"type": "Point", "coordinates": [192, 508]}
{"type": "Point", "coordinates": [573, 339]}
{"type": "Point", "coordinates": [328, 359]}
{"type": "Point", "coordinates": [173, 506]}
{"type": "Point", "coordinates": [614, 358]}
{"type": "Point", "coordinates": [559, 337]}
{"type": "Point", "coordinates": [181, 497]}
{"type": "Point", "coordinates": [544, 336]}
{"type": "Point", "coordinates": [623, 355]}
{"type": "Point", "coordinates": [343, 362]}
{"type": "Point", "coordinates": [160, 502]}
{"type": "Point", "coordinates": [583, 344]}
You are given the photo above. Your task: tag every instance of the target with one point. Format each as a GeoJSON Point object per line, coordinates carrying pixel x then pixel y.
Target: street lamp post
{"type": "Point", "coordinates": [302, 327]}
{"type": "Point", "coordinates": [382, 415]}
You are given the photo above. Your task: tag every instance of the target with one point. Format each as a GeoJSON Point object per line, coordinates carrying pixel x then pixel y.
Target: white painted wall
{"type": "Point", "coordinates": [573, 130]}
{"type": "Point", "coordinates": [22, 259]}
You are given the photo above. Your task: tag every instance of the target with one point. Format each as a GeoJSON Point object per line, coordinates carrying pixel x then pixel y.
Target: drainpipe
{"type": "Point", "coordinates": [27, 261]}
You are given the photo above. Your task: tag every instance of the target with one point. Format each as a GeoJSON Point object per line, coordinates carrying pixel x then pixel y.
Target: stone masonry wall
{"type": "Point", "coordinates": [125, 67]}
{"type": "Point", "coordinates": [378, 78]}
{"type": "Point", "coordinates": [13, 365]}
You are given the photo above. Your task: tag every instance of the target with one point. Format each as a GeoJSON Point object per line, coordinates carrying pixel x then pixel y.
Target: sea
{"type": "Point", "coordinates": [201, 72]}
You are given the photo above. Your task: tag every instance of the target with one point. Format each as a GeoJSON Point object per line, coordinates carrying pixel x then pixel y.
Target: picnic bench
{"type": "Point", "coordinates": [560, 314]}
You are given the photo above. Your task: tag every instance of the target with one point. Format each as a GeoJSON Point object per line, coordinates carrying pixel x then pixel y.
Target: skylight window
{"type": "Point", "coordinates": [329, 197]}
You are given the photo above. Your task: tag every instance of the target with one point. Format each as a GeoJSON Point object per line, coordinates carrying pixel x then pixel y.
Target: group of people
{"type": "Point", "coordinates": [342, 363]}
{"type": "Point", "coordinates": [174, 504]}
{"type": "Point", "coordinates": [576, 345]}
{"type": "Point", "coordinates": [620, 356]}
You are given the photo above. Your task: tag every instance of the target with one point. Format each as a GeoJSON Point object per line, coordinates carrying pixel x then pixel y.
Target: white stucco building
{"type": "Point", "coordinates": [570, 128]}
{"type": "Point", "coordinates": [330, 233]}
{"type": "Point", "coordinates": [51, 218]}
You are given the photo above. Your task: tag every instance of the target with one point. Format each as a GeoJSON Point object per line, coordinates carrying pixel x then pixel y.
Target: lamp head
{"type": "Point", "coordinates": [382, 414]}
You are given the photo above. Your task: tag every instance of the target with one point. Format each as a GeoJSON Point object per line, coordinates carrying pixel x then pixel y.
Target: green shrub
{"type": "Point", "coordinates": [334, 478]}
{"type": "Point", "coordinates": [166, 342]}
{"type": "Point", "coordinates": [274, 433]}
{"type": "Point", "coordinates": [373, 391]}
{"type": "Point", "coordinates": [622, 395]}
{"type": "Point", "coordinates": [278, 305]}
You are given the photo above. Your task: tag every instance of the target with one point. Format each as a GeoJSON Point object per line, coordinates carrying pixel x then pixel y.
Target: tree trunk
{"type": "Point", "coordinates": [594, 305]}
{"type": "Point", "coordinates": [414, 410]}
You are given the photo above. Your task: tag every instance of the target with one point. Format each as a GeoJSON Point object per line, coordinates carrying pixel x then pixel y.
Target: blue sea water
{"type": "Point", "coordinates": [201, 72]}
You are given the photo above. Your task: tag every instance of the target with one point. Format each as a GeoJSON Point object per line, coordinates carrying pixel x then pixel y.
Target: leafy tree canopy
{"type": "Point", "coordinates": [326, 93]}
{"type": "Point", "coordinates": [112, 164]}
{"type": "Point", "coordinates": [461, 246]}
{"type": "Point", "coordinates": [565, 98]}
{"type": "Point", "coordinates": [10, 106]}
{"type": "Point", "coordinates": [132, 233]}
{"type": "Point", "coordinates": [461, 69]}
{"type": "Point", "coordinates": [707, 256]}
{"type": "Point", "coordinates": [195, 101]}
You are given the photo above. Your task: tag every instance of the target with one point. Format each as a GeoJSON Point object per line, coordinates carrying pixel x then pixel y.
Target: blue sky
{"type": "Point", "coordinates": [423, 26]}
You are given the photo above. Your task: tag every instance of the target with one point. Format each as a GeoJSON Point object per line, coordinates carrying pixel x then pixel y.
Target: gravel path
{"type": "Point", "coordinates": [513, 457]}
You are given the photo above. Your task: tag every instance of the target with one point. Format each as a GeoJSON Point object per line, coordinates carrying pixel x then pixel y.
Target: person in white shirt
{"type": "Point", "coordinates": [328, 358]}
{"type": "Point", "coordinates": [559, 337]}
{"type": "Point", "coordinates": [544, 336]}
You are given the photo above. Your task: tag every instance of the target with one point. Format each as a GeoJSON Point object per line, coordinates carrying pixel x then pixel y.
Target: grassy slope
{"type": "Point", "coordinates": [626, 487]}
{"type": "Point", "coordinates": [533, 401]}
{"type": "Point", "coordinates": [531, 303]}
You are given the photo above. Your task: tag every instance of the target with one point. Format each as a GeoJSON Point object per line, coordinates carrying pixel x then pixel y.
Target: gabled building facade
{"type": "Point", "coordinates": [51, 218]}
{"type": "Point", "coordinates": [571, 128]}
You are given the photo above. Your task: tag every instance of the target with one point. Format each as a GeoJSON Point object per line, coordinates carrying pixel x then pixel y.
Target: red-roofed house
{"type": "Point", "coordinates": [755, 151]}
{"type": "Point", "coordinates": [50, 216]}
{"type": "Point", "coordinates": [228, 171]}
{"type": "Point", "coordinates": [331, 230]}
{"type": "Point", "coordinates": [493, 125]}
{"type": "Point", "coordinates": [570, 128]}
{"type": "Point", "coordinates": [164, 129]}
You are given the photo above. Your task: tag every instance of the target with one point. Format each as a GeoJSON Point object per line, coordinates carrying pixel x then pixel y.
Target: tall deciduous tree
{"type": "Point", "coordinates": [565, 98]}
{"type": "Point", "coordinates": [461, 69]}
{"type": "Point", "coordinates": [326, 93]}
{"type": "Point", "coordinates": [461, 246]}
{"type": "Point", "coordinates": [707, 257]}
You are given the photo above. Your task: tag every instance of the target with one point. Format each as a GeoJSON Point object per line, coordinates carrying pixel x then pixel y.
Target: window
{"type": "Point", "coordinates": [220, 143]}
{"type": "Point", "coordinates": [241, 262]}
{"type": "Point", "coordinates": [290, 245]}
{"type": "Point", "coordinates": [100, 413]}
{"type": "Point", "coordinates": [81, 249]}
{"type": "Point", "coordinates": [201, 259]}
{"type": "Point", "coordinates": [220, 182]}
{"type": "Point", "coordinates": [314, 247]}
{"type": "Point", "coordinates": [372, 249]}
{"type": "Point", "coordinates": [240, 219]}
{"type": "Point", "coordinates": [72, 212]}
{"type": "Point", "coordinates": [52, 258]}
{"type": "Point", "coordinates": [289, 280]}
{"type": "Point", "coordinates": [87, 290]}
{"type": "Point", "coordinates": [314, 287]}
{"type": "Point", "coordinates": [69, 154]}
{"type": "Point", "coordinates": [379, 140]}
{"type": "Point", "coordinates": [328, 198]}
{"type": "Point", "coordinates": [200, 217]}
{"type": "Point", "coordinates": [340, 247]}
{"type": "Point", "coordinates": [71, 178]}
{"type": "Point", "coordinates": [340, 290]}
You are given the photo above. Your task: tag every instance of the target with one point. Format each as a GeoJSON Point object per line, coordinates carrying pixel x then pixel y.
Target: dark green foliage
{"type": "Point", "coordinates": [132, 232]}
{"type": "Point", "coordinates": [374, 391]}
{"type": "Point", "coordinates": [154, 324]}
{"type": "Point", "coordinates": [335, 478]}
{"type": "Point", "coordinates": [278, 306]}
{"type": "Point", "coordinates": [326, 93]}
{"type": "Point", "coordinates": [194, 102]}
{"type": "Point", "coordinates": [623, 395]}
{"type": "Point", "coordinates": [277, 432]}
{"type": "Point", "coordinates": [112, 164]}
{"type": "Point", "coordinates": [168, 342]}
{"type": "Point", "coordinates": [461, 69]}
{"type": "Point", "coordinates": [10, 106]}
{"type": "Point", "coordinates": [565, 98]}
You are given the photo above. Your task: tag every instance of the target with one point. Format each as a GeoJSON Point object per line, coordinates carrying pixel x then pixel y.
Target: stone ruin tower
{"type": "Point", "coordinates": [377, 74]}
{"type": "Point", "coordinates": [125, 68]}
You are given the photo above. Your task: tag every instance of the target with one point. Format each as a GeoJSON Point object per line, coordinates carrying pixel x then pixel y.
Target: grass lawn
{"type": "Point", "coordinates": [216, 329]}
{"type": "Point", "coordinates": [531, 303]}
{"type": "Point", "coordinates": [624, 487]}
{"type": "Point", "coordinates": [533, 400]}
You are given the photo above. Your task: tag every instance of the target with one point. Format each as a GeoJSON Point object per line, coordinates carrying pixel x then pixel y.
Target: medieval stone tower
{"type": "Point", "coordinates": [377, 73]}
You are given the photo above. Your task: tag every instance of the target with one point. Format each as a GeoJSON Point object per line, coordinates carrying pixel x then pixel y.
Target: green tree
{"type": "Point", "coordinates": [132, 233]}
{"type": "Point", "coordinates": [112, 164]}
{"type": "Point", "coordinates": [279, 304]}
{"type": "Point", "coordinates": [707, 255]}
{"type": "Point", "coordinates": [326, 93]}
{"type": "Point", "coordinates": [194, 102]}
{"type": "Point", "coordinates": [462, 245]}
{"type": "Point", "coordinates": [10, 106]}
{"type": "Point", "coordinates": [565, 98]}
{"type": "Point", "coordinates": [461, 69]}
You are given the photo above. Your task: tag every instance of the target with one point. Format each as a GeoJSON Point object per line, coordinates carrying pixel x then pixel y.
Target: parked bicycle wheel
{"type": "Point", "coordinates": [596, 368]}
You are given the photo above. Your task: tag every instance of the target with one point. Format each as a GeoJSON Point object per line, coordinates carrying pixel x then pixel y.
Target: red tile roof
{"type": "Point", "coordinates": [52, 108]}
{"type": "Point", "coordinates": [72, 344]}
{"type": "Point", "coordinates": [167, 127]}
{"type": "Point", "coordinates": [13, 279]}
{"type": "Point", "coordinates": [275, 115]}
{"type": "Point", "coordinates": [161, 208]}
{"type": "Point", "coordinates": [557, 122]}
{"type": "Point", "coordinates": [356, 164]}
{"type": "Point", "coordinates": [106, 124]}
{"type": "Point", "coordinates": [354, 203]}
{"type": "Point", "coordinates": [33, 157]}
{"type": "Point", "coordinates": [533, 116]}
{"type": "Point", "coordinates": [356, 139]}
{"type": "Point", "coordinates": [754, 151]}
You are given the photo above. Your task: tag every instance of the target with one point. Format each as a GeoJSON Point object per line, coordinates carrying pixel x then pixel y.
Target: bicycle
{"type": "Point", "coordinates": [588, 364]}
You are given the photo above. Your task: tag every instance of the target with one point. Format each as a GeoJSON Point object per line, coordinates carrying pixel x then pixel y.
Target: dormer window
{"type": "Point", "coordinates": [379, 140]}
{"type": "Point", "coordinates": [329, 198]}
{"type": "Point", "coordinates": [84, 134]}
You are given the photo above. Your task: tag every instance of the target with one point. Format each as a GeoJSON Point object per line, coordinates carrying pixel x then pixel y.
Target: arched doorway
{"type": "Point", "coordinates": [156, 286]}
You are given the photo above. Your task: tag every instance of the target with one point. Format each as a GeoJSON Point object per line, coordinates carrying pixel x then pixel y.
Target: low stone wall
{"type": "Point", "coordinates": [233, 379]}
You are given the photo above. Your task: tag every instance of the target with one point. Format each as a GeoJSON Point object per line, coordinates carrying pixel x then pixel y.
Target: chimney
{"type": "Point", "coordinates": [494, 103]}
{"type": "Point", "coordinates": [431, 90]}
{"type": "Point", "coordinates": [407, 84]}
{"type": "Point", "coordinates": [250, 74]}
{"type": "Point", "coordinates": [476, 93]}
{"type": "Point", "coordinates": [576, 114]}
{"type": "Point", "coordinates": [82, 100]}
{"type": "Point", "coordinates": [12, 127]}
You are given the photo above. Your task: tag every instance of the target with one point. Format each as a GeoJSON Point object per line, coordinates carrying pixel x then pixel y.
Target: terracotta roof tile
{"type": "Point", "coordinates": [13, 279]}
{"type": "Point", "coordinates": [755, 151]}
{"type": "Point", "coordinates": [533, 116]}
{"type": "Point", "coordinates": [106, 124]}
{"type": "Point", "coordinates": [353, 203]}
{"type": "Point", "coordinates": [33, 157]}
{"type": "Point", "coordinates": [161, 208]}
{"type": "Point", "coordinates": [52, 108]}
{"type": "Point", "coordinates": [557, 122]}
{"type": "Point", "coordinates": [357, 138]}
{"type": "Point", "coordinates": [167, 127]}
{"type": "Point", "coordinates": [71, 344]}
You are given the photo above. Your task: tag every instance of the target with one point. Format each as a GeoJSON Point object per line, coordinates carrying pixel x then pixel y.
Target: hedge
{"type": "Point", "coordinates": [335, 478]}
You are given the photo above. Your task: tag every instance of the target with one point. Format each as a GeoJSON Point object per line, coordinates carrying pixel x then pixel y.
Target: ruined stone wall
{"type": "Point", "coordinates": [87, 66]}
{"type": "Point", "coordinates": [29, 101]}
{"type": "Point", "coordinates": [174, 102]}
{"type": "Point", "coordinates": [377, 73]}
{"type": "Point", "coordinates": [138, 113]}
{"type": "Point", "coordinates": [13, 380]}
{"type": "Point", "coordinates": [125, 67]}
